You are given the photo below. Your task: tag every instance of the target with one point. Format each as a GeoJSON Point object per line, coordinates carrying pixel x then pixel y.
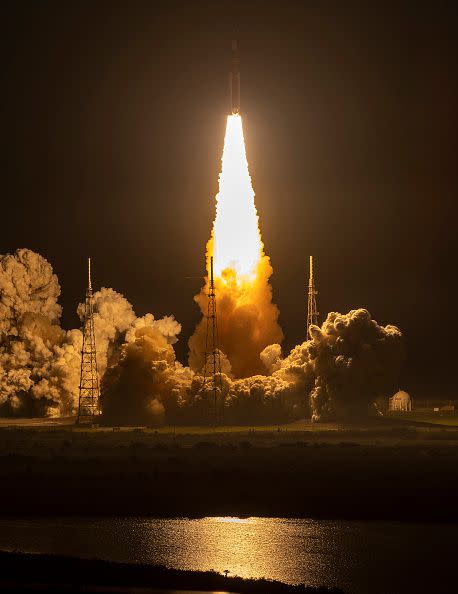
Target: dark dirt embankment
{"type": "Point", "coordinates": [397, 475]}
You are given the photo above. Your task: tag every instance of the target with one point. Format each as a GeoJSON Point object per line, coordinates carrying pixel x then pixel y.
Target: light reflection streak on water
{"type": "Point", "coordinates": [247, 547]}
{"type": "Point", "coordinates": [358, 557]}
{"type": "Point", "coordinates": [233, 520]}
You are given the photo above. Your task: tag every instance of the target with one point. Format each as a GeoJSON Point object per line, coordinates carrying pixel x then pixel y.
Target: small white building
{"type": "Point", "coordinates": [401, 401]}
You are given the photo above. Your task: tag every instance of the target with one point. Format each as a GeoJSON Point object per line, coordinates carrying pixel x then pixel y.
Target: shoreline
{"type": "Point", "coordinates": [72, 574]}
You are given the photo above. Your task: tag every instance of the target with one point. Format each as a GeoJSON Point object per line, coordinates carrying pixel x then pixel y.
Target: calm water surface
{"type": "Point", "coordinates": [359, 557]}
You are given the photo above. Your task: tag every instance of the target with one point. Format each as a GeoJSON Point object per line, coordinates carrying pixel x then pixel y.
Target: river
{"type": "Point", "coordinates": [359, 557]}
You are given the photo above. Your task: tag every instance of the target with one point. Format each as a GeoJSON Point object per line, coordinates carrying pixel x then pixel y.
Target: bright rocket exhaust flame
{"type": "Point", "coordinates": [236, 238]}
{"type": "Point", "coordinates": [247, 318]}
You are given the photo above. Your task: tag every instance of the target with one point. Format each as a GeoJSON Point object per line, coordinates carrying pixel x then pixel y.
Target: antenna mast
{"type": "Point", "coordinates": [89, 389]}
{"type": "Point", "coordinates": [312, 312]}
{"type": "Point", "coordinates": [212, 367]}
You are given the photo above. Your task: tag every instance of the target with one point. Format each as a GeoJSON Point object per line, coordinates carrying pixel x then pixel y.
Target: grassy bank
{"type": "Point", "coordinates": [379, 471]}
{"type": "Point", "coordinates": [425, 416]}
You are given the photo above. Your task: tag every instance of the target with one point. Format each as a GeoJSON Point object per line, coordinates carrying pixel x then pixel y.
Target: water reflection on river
{"type": "Point", "coordinates": [360, 557]}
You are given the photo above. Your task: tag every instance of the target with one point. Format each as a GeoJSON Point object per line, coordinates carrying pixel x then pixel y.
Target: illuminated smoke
{"type": "Point", "coordinates": [136, 361]}
{"type": "Point", "coordinates": [147, 380]}
{"type": "Point", "coordinates": [36, 355]}
{"type": "Point", "coordinates": [339, 373]}
{"type": "Point", "coordinates": [347, 364]}
{"type": "Point", "coordinates": [27, 285]}
{"type": "Point", "coordinates": [355, 361]}
{"type": "Point", "coordinates": [39, 361]}
{"type": "Point", "coordinates": [247, 318]}
{"type": "Point", "coordinates": [113, 316]}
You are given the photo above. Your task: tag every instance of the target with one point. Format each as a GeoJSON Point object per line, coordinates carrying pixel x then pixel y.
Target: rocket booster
{"type": "Point", "coordinates": [234, 79]}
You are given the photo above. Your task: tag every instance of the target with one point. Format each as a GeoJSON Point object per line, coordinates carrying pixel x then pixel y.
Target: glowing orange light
{"type": "Point", "coordinates": [236, 240]}
{"type": "Point", "coordinates": [234, 520]}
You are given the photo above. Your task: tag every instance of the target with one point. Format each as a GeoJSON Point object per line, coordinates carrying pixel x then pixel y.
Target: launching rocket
{"type": "Point", "coordinates": [234, 80]}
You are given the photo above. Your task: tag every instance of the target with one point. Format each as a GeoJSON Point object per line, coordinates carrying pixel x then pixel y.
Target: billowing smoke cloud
{"type": "Point", "coordinates": [39, 361]}
{"type": "Point", "coordinates": [346, 365]}
{"type": "Point", "coordinates": [147, 382]}
{"type": "Point", "coordinates": [27, 285]}
{"type": "Point", "coordinates": [355, 361]}
{"type": "Point", "coordinates": [247, 321]}
{"type": "Point", "coordinates": [113, 316]}
{"type": "Point", "coordinates": [37, 357]}
{"type": "Point", "coordinates": [338, 374]}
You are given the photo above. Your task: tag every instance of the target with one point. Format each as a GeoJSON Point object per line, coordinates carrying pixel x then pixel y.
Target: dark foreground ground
{"type": "Point", "coordinates": [389, 470]}
{"type": "Point", "coordinates": [20, 572]}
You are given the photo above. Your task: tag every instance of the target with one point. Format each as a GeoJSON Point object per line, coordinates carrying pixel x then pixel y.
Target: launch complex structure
{"type": "Point", "coordinates": [211, 388]}
{"type": "Point", "coordinates": [312, 311]}
{"type": "Point", "coordinates": [89, 388]}
{"type": "Point", "coordinates": [212, 382]}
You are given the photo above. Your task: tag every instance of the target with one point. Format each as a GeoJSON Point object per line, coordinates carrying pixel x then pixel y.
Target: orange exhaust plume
{"type": "Point", "coordinates": [247, 318]}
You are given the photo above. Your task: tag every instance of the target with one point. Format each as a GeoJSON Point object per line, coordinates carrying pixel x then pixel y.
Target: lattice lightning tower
{"type": "Point", "coordinates": [212, 368]}
{"type": "Point", "coordinates": [89, 391]}
{"type": "Point", "coordinates": [312, 312]}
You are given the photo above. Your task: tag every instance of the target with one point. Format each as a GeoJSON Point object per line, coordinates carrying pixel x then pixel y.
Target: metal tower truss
{"type": "Point", "coordinates": [212, 383]}
{"type": "Point", "coordinates": [312, 311]}
{"type": "Point", "coordinates": [89, 389]}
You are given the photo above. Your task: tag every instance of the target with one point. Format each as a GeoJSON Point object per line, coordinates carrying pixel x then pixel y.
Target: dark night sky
{"type": "Point", "coordinates": [113, 119]}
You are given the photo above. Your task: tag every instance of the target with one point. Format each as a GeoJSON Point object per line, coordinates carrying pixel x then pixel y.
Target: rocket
{"type": "Point", "coordinates": [234, 80]}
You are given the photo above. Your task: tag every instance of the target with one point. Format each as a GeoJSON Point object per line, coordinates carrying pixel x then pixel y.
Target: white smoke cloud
{"type": "Point", "coordinates": [138, 348]}
{"type": "Point", "coordinates": [146, 382]}
{"type": "Point", "coordinates": [113, 315]}
{"type": "Point", "coordinates": [39, 361]}
{"type": "Point", "coordinates": [27, 285]}
{"type": "Point", "coordinates": [355, 361]}
{"type": "Point", "coordinates": [348, 363]}
{"type": "Point", "coordinates": [29, 335]}
{"type": "Point", "coordinates": [271, 357]}
{"type": "Point", "coordinates": [167, 326]}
